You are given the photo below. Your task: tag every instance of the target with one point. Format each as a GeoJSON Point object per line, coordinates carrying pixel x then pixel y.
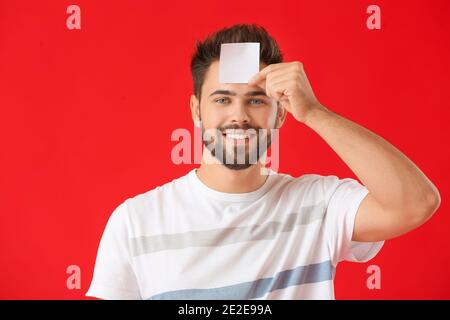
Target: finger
{"type": "Point", "coordinates": [262, 85]}
{"type": "Point", "coordinates": [276, 90]}
{"type": "Point", "coordinates": [280, 84]}
{"type": "Point", "coordinates": [273, 68]}
{"type": "Point", "coordinates": [262, 74]}
{"type": "Point", "coordinates": [281, 68]}
{"type": "Point", "coordinates": [281, 77]}
{"type": "Point", "coordinates": [279, 74]}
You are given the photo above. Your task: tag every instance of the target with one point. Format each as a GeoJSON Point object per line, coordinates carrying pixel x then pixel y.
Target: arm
{"type": "Point", "coordinates": [400, 198]}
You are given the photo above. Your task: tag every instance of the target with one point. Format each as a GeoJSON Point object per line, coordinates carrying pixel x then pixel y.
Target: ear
{"type": "Point", "coordinates": [281, 115]}
{"type": "Point", "coordinates": [195, 110]}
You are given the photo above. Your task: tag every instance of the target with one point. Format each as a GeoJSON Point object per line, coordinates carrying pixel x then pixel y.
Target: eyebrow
{"type": "Point", "coordinates": [232, 93]}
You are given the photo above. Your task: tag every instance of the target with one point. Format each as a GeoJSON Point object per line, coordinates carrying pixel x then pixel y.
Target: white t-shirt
{"type": "Point", "coordinates": [184, 240]}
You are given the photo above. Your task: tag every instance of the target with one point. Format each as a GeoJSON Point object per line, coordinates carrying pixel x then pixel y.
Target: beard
{"type": "Point", "coordinates": [237, 155]}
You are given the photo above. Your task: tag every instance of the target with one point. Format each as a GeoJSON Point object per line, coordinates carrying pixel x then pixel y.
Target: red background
{"type": "Point", "coordinates": [87, 115]}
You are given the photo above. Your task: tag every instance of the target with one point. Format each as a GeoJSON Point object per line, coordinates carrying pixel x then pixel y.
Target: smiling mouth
{"type": "Point", "coordinates": [239, 136]}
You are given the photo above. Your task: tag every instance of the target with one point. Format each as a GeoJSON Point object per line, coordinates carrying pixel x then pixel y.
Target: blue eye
{"type": "Point", "coordinates": [259, 101]}
{"type": "Point", "coordinates": [220, 99]}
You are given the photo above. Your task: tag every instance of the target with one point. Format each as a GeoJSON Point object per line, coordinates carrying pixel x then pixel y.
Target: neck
{"type": "Point", "coordinates": [220, 178]}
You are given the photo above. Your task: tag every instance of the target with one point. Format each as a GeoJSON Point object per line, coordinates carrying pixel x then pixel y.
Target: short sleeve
{"type": "Point", "coordinates": [343, 197]}
{"type": "Point", "coordinates": [114, 277]}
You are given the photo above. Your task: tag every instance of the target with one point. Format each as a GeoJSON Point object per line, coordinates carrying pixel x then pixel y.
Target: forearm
{"type": "Point", "coordinates": [392, 179]}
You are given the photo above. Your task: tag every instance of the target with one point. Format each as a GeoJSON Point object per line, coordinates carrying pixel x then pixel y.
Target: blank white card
{"type": "Point", "coordinates": [238, 62]}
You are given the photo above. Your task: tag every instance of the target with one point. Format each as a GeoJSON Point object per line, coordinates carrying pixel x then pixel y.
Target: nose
{"type": "Point", "coordinates": [239, 113]}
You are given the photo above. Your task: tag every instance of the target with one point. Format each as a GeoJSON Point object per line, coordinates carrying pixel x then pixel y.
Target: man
{"type": "Point", "coordinates": [227, 231]}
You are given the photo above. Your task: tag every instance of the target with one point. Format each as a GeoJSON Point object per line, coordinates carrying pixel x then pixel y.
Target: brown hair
{"type": "Point", "coordinates": [208, 51]}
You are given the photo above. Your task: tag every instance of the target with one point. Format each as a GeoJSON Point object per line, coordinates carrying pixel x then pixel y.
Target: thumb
{"type": "Point", "coordinates": [256, 81]}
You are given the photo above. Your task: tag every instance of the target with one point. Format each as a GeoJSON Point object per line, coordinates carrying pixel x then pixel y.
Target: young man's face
{"type": "Point", "coordinates": [236, 120]}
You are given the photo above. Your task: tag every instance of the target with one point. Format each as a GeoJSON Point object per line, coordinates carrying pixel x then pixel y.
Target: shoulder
{"type": "Point", "coordinates": [139, 205]}
{"type": "Point", "coordinates": [315, 187]}
{"type": "Point", "coordinates": [310, 182]}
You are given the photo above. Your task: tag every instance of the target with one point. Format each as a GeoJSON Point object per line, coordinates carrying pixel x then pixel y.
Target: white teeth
{"type": "Point", "coordinates": [237, 136]}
